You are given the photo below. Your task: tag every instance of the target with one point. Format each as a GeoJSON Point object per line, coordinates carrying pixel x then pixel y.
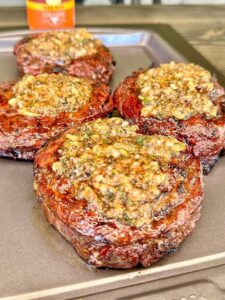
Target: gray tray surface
{"type": "Point", "coordinates": [36, 262]}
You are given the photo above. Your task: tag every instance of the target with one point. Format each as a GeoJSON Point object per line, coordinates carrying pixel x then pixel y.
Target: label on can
{"type": "Point", "coordinates": [50, 14]}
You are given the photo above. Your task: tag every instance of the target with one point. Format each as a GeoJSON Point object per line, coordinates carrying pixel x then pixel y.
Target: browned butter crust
{"type": "Point", "coordinates": [120, 198]}
{"type": "Point", "coordinates": [202, 130]}
{"type": "Point", "coordinates": [21, 133]}
{"type": "Point", "coordinates": [96, 65]}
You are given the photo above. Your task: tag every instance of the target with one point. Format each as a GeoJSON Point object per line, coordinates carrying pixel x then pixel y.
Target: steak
{"type": "Point", "coordinates": [122, 199]}
{"type": "Point", "coordinates": [182, 100]}
{"type": "Point", "coordinates": [76, 53]}
{"type": "Point", "coordinates": [37, 108]}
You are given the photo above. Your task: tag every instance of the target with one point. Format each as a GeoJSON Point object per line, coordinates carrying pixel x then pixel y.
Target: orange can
{"type": "Point", "coordinates": [50, 14]}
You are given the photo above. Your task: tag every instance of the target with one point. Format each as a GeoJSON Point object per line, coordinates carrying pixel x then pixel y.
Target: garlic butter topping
{"type": "Point", "coordinates": [117, 170]}
{"type": "Point", "coordinates": [176, 90]}
{"type": "Point", "coordinates": [50, 94]}
{"type": "Point", "coordinates": [62, 46]}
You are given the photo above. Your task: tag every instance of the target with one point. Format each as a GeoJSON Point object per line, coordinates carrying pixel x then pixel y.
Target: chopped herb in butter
{"type": "Point", "coordinates": [176, 90]}
{"type": "Point", "coordinates": [62, 46]}
{"type": "Point", "coordinates": [50, 94]}
{"type": "Point", "coordinates": [122, 177]}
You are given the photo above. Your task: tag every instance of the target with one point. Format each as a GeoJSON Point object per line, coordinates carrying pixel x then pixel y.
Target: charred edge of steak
{"type": "Point", "coordinates": [207, 165]}
{"type": "Point", "coordinates": [126, 99]}
{"type": "Point", "coordinates": [124, 257]}
{"type": "Point", "coordinates": [99, 67]}
{"type": "Point", "coordinates": [222, 153]}
{"type": "Point", "coordinates": [18, 154]}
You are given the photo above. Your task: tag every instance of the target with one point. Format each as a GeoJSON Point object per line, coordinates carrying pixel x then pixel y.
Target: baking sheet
{"type": "Point", "coordinates": [36, 262]}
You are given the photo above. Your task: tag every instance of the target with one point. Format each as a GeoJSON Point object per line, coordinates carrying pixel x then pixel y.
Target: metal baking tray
{"type": "Point", "coordinates": [37, 263]}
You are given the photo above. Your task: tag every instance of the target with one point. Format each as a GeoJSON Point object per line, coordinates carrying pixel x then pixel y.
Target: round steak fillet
{"type": "Point", "coordinates": [183, 100]}
{"type": "Point", "coordinates": [120, 198]}
{"type": "Point", "coordinates": [37, 108]}
{"type": "Point", "coordinates": [76, 53]}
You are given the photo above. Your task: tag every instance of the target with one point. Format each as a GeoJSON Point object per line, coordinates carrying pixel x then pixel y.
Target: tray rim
{"type": "Point", "coordinates": [118, 280]}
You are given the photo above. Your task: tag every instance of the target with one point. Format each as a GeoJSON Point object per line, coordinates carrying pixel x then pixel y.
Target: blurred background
{"type": "Point", "coordinates": [127, 2]}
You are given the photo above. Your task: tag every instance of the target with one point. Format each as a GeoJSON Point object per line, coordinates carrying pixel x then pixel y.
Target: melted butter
{"type": "Point", "coordinates": [176, 90]}
{"type": "Point", "coordinates": [50, 94]}
{"type": "Point", "coordinates": [116, 169]}
{"type": "Point", "coordinates": [62, 46]}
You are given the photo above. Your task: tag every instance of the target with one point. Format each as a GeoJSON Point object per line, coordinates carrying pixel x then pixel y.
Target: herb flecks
{"type": "Point", "coordinates": [50, 94]}
{"type": "Point", "coordinates": [176, 90]}
{"type": "Point", "coordinates": [122, 176]}
{"type": "Point", "coordinates": [61, 47]}
{"type": "Point", "coordinates": [140, 140]}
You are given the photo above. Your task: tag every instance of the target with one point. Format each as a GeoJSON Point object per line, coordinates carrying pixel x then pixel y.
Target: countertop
{"type": "Point", "coordinates": [203, 25]}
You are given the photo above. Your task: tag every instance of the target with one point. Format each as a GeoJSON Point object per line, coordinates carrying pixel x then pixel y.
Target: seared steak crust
{"type": "Point", "coordinates": [21, 135]}
{"type": "Point", "coordinates": [204, 136]}
{"type": "Point", "coordinates": [111, 242]}
{"type": "Point", "coordinates": [99, 66]}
